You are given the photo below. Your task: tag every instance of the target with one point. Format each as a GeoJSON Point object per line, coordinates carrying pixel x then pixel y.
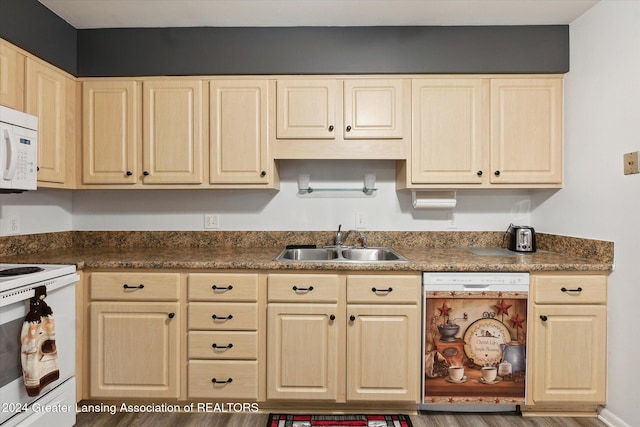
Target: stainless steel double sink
{"type": "Point", "coordinates": [341, 254]}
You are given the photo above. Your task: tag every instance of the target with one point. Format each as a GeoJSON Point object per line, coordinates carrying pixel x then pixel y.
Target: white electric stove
{"type": "Point", "coordinates": [18, 284]}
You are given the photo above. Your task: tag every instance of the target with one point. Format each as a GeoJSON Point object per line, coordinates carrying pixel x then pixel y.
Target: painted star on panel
{"type": "Point", "coordinates": [517, 321]}
{"type": "Point", "coordinates": [444, 310]}
{"type": "Point", "coordinates": [503, 308]}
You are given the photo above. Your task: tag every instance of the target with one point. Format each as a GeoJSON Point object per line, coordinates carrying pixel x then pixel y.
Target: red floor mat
{"type": "Point", "coordinates": [296, 420]}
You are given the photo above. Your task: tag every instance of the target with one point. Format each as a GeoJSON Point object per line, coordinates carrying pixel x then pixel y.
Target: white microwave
{"type": "Point", "coordinates": [18, 151]}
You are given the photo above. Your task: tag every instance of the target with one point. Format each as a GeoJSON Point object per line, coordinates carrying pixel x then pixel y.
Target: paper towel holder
{"type": "Point", "coordinates": [433, 199]}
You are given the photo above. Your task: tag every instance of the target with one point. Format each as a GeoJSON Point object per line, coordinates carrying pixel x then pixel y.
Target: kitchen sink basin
{"type": "Point", "coordinates": [307, 254]}
{"type": "Point", "coordinates": [371, 254]}
{"type": "Point", "coordinates": [341, 254]}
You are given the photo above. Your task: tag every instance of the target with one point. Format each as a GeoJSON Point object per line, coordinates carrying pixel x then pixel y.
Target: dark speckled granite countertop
{"type": "Point", "coordinates": [426, 251]}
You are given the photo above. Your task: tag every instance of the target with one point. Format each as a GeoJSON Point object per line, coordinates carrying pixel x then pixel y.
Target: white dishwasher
{"type": "Point", "coordinates": [474, 338]}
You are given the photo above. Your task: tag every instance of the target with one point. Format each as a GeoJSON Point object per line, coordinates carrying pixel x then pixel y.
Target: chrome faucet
{"type": "Point", "coordinates": [339, 236]}
{"type": "Point", "coordinates": [340, 239]}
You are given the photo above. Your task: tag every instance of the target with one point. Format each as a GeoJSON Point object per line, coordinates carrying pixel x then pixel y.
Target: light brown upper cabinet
{"type": "Point", "coordinates": [306, 109]}
{"type": "Point", "coordinates": [238, 123]}
{"type": "Point", "coordinates": [450, 131]}
{"type": "Point", "coordinates": [526, 131]}
{"type": "Point", "coordinates": [50, 95]}
{"type": "Point", "coordinates": [110, 133]}
{"type": "Point", "coordinates": [172, 135]}
{"type": "Point", "coordinates": [485, 132]}
{"type": "Point", "coordinates": [373, 109]}
{"type": "Point", "coordinates": [11, 77]}
{"type": "Point", "coordinates": [341, 119]}
{"type": "Point", "coordinates": [158, 141]}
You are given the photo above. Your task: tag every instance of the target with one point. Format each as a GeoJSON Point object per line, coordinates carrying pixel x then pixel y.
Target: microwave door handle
{"type": "Point", "coordinates": [12, 156]}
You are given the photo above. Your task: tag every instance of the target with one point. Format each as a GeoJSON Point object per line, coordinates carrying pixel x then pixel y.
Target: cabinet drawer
{"type": "Point", "coordinates": [223, 316]}
{"type": "Point", "coordinates": [303, 288]}
{"type": "Point", "coordinates": [135, 286]}
{"type": "Point", "coordinates": [223, 345]}
{"type": "Point", "coordinates": [569, 289]}
{"type": "Point", "coordinates": [383, 289]}
{"type": "Point", "coordinates": [235, 379]}
{"type": "Point", "coordinates": [223, 287]}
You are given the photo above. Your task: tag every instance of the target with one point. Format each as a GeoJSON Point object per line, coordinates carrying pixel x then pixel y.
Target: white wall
{"type": "Point", "coordinates": [285, 210]}
{"type": "Point", "coordinates": [40, 211]}
{"type": "Point", "coordinates": [602, 121]}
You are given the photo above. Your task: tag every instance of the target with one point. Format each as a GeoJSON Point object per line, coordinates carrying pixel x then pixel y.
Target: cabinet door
{"type": "Point", "coordinates": [526, 131]}
{"type": "Point", "coordinates": [239, 138]}
{"type": "Point", "coordinates": [46, 98]}
{"type": "Point", "coordinates": [450, 131]}
{"type": "Point", "coordinates": [172, 132]}
{"type": "Point", "coordinates": [567, 354]}
{"type": "Point", "coordinates": [304, 357]}
{"type": "Point", "coordinates": [134, 349]}
{"type": "Point", "coordinates": [373, 109]}
{"type": "Point", "coordinates": [109, 132]}
{"type": "Point", "coordinates": [306, 109]}
{"type": "Point", "coordinates": [11, 77]}
{"type": "Point", "coordinates": [383, 353]}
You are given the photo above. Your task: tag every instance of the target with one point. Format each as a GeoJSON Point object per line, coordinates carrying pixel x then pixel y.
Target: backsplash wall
{"type": "Point", "coordinates": [41, 211]}
{"type": "Point", "coordinates": [48, 210]}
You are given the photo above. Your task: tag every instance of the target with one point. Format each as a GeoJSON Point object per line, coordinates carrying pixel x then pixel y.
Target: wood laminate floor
{"type": "Point", "coordinates": [431, 419]}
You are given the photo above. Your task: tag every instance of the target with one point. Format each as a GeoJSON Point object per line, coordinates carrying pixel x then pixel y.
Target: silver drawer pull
{"type": "Point", "coordinates": [571, 290]}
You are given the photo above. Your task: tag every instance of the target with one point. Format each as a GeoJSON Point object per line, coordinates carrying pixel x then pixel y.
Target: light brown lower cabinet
{"type": "Point", "coordinates": [320, 346]}
{"type": "Point", "coordinates": [134, 349]}
{"type": "Point", "coordinates": [337, 338]}
{"type": "Point", "coordinates": [223, 338]}
{"type": "Point", "coordinates": [305, 337]}
{"type": "Point", "coordinates": [566, 364]}
{"type": "Point", "coordinates": [305, 354]}
{"type": "Point", "coordinates": [135, 326]}
{"type": "Point", "coordinates": [382, 353]}
{"type": "Point", "coordinates": [327, 337]}
{"type": "Point", "coordinates": [383, 362]}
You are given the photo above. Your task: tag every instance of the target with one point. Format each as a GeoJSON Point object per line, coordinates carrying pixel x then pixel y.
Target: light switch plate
{"type": "Point", "coordinates": [631, 163]}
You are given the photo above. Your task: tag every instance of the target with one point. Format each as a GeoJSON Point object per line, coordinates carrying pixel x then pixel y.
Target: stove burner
{"type": "Point", "coordinates": [17, 271]}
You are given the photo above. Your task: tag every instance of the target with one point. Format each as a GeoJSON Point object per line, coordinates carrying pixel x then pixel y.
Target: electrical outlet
{"type": "Point", "coordinates": [211, 221]}
{"type": "Point", "coordinates": [451, 221]}
{"type": "Point", "coordinates": [13, 225]}
{"type": "Point", "coordinates": [361, 220]}
{"type": "Point", "coordinates": [631, 163]}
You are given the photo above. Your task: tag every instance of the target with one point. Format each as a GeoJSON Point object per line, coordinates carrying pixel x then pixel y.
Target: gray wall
{"type": "Point", "coordinates": [287, 50]}
{"type": "Point", "coordinates": [323, 50]}
{"type": "Point", "coordinates": [34, 28]}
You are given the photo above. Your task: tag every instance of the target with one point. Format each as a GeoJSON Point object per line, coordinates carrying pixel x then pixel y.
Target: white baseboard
{"type": "Point", "coordinates": [610, 419]}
